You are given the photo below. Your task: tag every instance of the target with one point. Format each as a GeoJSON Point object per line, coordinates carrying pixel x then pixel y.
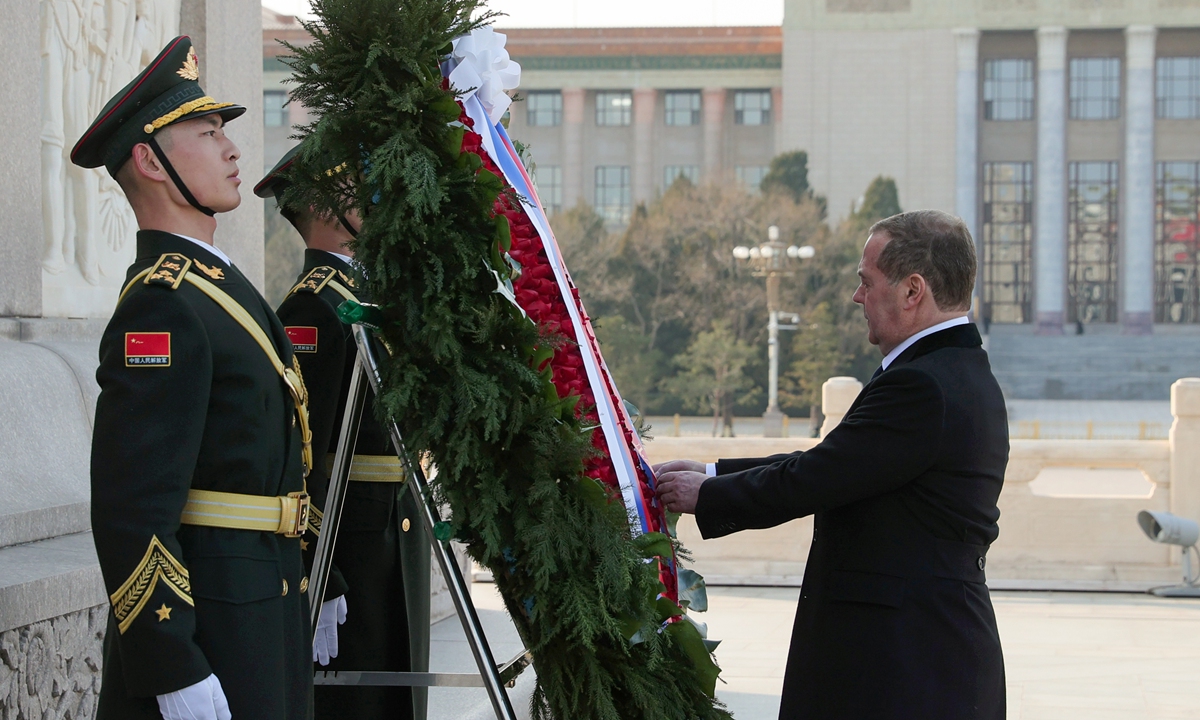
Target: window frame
{"type": "Point", "coordinates": [1163, 104]}
{"type": "Point", "coordinates": [764, 110]}
{"type": "Point", "coordinates": [617, 213]}
{"type": "Point", "coordinates": [671, 114]}
{"type": "Point", "coordinates": [555, 111]}
{"type": "Point", "coordinates": [624, 110]}
{"type": "Point", "coordinates": [1086, 236]}
{"type": "Point", "coordinates": [1080, 100]}
{"type": "Point", "coordinates": [1006, 224]}
{"type": "Point", "coordinates": [281, 111]}
{"type": "Point", "coordinates": [1021, 90]}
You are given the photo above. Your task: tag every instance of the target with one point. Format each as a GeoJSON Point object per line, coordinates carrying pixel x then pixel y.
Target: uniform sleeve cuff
{"type": "Point", "coordinates": [710, 469]}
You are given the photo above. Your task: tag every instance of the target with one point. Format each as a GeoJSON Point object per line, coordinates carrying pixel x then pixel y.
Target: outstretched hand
{"type": "Point", "coordinates": [678, 484]}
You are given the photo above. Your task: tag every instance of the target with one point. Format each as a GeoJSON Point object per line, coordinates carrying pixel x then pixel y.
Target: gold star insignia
{"type": "Point", "coordinates": [191, 66]}
{"type": "Point", "coordinates": [303, 545]}
{"type": "Point", "coordinates": [164, 613]}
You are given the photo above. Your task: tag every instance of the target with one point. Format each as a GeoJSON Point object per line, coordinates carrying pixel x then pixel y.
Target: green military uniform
{"type": "Point", "coordinates": [382, 555]}
{"type": "Point", "coordinates": [197, 474]}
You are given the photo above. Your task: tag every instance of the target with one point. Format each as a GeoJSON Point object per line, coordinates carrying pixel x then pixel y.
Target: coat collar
{"type": "Point", "coordinates": [319, 258]}
{"type": "Point", "coordinates": [959, 336]}
{"type": "Point", "coordinates": [151, 244]}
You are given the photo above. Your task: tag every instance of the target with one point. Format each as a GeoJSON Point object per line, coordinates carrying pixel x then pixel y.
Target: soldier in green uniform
{"type": "Point", "coordinates": [200, 436]}
{"type": "Point", "coordinates": [382, 555]}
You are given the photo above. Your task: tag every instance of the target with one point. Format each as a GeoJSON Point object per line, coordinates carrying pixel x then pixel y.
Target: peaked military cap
{"type": "Point", "coordinates": [167, 91]}
{"type": "Point", "coordinates": [275, 182]}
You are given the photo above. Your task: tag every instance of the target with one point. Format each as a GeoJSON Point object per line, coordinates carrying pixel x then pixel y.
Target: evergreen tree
{"type": "Point", "coordinates": [881, 200]}
{"type": "Point", "coordinates": [789, 174]}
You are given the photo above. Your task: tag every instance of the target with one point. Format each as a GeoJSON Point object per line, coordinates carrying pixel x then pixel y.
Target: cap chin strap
{"type": "Point", "coordinates": [183, 189]}
{"type": "Point", "coordinates": [346, 224]}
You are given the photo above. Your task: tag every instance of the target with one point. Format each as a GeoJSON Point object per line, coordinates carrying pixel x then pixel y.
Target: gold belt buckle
{"type": "Point", "coordinates": [295, 514]}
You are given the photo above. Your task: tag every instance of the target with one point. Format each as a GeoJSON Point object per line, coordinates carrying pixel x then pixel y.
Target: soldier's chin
{"type": "Point", "coordinates": [228, 204]}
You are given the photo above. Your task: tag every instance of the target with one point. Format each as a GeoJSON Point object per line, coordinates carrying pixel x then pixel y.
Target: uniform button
{"type": "Point", "coordinates": [285, 588]}
{"type": "Point", "coordinates": [405, 525]}
{"type": "Point", "coordinates": [303, 585]}
{"type": "Point", "coordinates": [981, 562]}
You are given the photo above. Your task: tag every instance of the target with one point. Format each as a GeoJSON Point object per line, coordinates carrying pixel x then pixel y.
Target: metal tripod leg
{"type": "Point", "coordinates": [490, 676]}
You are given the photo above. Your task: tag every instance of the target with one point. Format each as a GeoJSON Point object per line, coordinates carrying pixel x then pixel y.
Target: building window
{"type": "Point", "coordinates": [751, 175]}
{"type": "Point", "coordinates": [671, 172]}
{"type": "Point", "coordinates": [1008, 89]}
{"type": "Point", "coordinates": [275, 113]}
{"type": "Point", "coordinates": [1095, 88]}
{"type": "Point", "coordinates": [545, 109]}
{"type": "Point", "coordinates": [1177, 260]}
{"type": "Point", "coordinates": [1179, 88]}
{"type": "Point", "coordinates": [613, 108]}
{"type": "Point", "coordinates": [612, 193]}
{"type": "Point", "coordinates": [1092, 196]}
{"type": "Point", "coordinates": [752, 107]}
{"type": "Point", "coordinates": [548, 181]}
{"type": "Point", "coordinates": [683, 108]}
{"type": "Point", "coordinates": [1007, 236]}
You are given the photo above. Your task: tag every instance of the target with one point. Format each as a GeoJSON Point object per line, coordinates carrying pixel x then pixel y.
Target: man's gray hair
{"type": "Point", "coordinates": [935, 245]}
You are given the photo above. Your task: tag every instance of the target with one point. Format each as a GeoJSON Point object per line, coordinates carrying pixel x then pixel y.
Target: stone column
{"type": "Point", "coordinates": [713, 103]}
{"type": "Point", "coordinates": [967, 129]}
{"type": "Point", "coordinates": [1185, 448]}
{"type": "Point", "coordinates": [1050, 209]}
{"type": "Point", "coordinates": [777, 119]}
{"type": "Point", "coordinates": [227, 35]}
{"type": "Point", "coordinates": [572, 99]}
{"type": "Point", "coordinates": [643, 143]}
{"type": "Point", "coordinates": [1137, 256]}
{"type": "Point", "coordinates": [837, 395]}
{"type": "Point", "coordinates": [20, 158]}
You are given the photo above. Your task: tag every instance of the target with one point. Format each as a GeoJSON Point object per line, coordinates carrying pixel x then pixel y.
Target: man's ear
{"type": "Point", "coordinates": [915, 289]}
{"type": "Point", "coordinates": [146, 164]}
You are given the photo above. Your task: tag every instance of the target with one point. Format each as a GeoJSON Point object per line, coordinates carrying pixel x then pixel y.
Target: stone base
{"type": "Point", "coordinates": [1049, 323]}
{"type": "Point", "coordinates": [773, 423]}
{"type": "Point", "coordinates": [1137, 323]}
{"type": "Point", "coordinates": [50, 670]}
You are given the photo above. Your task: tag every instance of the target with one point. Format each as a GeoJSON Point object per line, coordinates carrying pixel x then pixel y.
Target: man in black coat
{"type": "Point", "coordinates": [200, 434]}
{"type": "Point", "coordinates": [894, 618]}
{"type": "Point", "coordinates": [382, 556]}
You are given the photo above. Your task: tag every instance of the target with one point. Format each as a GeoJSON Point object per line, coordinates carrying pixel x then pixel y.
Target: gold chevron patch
{"type": "Point", "coordinates": [314, 520]}
{"type": "Point", "coordinates": [157, 564]}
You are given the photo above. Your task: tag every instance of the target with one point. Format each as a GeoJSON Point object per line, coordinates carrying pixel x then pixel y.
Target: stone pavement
{"type": "Point", "coordinates": [1099, 656]}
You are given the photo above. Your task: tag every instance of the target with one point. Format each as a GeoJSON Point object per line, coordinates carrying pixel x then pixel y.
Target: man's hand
{"type": "Point", "coordinates": [680, 489]}
{"type": "Point", "coordinates": [677, 465]}
{"type": "Point", "coordinates": [325, 640]}
{"type": "Point", "coordinates": [203, 701]}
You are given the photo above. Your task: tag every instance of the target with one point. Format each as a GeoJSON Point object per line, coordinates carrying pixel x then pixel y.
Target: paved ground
{"type": "Point", "coordinates": [1093, 656]}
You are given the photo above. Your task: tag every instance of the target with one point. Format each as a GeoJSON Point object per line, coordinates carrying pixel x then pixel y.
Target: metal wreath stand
{"type": "Point", "coordinates": [491, 676]}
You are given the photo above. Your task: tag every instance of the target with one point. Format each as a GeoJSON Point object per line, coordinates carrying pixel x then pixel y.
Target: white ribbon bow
{"type": "Point", "coordinates": [485, 71]}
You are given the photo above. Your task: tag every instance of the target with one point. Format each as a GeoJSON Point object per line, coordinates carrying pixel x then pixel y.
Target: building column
{"type": "Point", "coordinates": [713, 103]}
{"type": "Point", "coordinates": [228, 38]}
{"type": "Point", "coordinates": [777, 120]}
{"type": "Point", "coordinates": [966, 110]}
{"type": "Point", "coordinates": [572, 99]}
{"type": "Point", "coordinates": [643, 144]}
{"type": "Point", "coordinates": [1050, 203]}
{"type": "Point", "coordinates": [1137, 256]}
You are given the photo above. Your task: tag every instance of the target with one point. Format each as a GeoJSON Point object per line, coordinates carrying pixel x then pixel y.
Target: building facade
{"type": "Point", "coordinates": [1065, 132]}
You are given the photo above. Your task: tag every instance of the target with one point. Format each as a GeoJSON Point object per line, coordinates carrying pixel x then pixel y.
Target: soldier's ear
{"type": "Point", "coordinates": [146, 164]}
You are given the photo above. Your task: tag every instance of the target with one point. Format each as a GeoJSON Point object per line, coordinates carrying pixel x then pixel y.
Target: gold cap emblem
{"type": "Point", "coordinates": [191, 66]}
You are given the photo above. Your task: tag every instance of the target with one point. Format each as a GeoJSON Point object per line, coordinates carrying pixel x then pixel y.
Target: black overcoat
{"type": "Point", "coordinates": [381, 561]}
{"type": "Point", "coordinates": [210, 414]}
{"type": "Point", "coordinates": [894, 618]}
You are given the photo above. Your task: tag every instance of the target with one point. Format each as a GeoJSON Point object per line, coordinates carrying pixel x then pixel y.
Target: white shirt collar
{"type": "Point", "coordinates": [895, 353]}
{"type": "Point", "coordinates": [211, 248]}
{"type": "Point", "coordinates": [344, 258]}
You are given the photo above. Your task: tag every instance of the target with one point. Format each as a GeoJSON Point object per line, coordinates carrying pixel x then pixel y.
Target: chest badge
{"type": "Point", "coordinates": [147, 348]}
{"type": "Point", "coordinates": [304, 339]}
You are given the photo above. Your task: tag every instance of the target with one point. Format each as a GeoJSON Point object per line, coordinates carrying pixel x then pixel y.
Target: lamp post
{"type": "Point", "coordinates": [773, 260]}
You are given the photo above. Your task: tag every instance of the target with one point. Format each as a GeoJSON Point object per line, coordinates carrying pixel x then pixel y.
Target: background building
{"type": "Point", "coordinates": [1066, 133]}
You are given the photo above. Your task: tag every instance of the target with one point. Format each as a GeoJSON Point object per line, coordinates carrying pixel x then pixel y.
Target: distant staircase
{"type": "Point", "coordinates": [1100, 364]}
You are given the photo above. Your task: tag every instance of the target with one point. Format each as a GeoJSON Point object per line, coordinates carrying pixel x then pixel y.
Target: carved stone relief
{"type": "Point", "coordinates": [90, 50]}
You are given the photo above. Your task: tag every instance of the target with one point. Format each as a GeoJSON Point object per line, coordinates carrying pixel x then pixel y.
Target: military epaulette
{"type": "Point", "coordinates": [316, 280]}
{"type": "Point", "coordinates": [169, 270]}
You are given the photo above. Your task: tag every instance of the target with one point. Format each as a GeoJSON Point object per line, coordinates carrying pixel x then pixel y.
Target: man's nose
{"type": "Point", "coordinates": [234, 153]}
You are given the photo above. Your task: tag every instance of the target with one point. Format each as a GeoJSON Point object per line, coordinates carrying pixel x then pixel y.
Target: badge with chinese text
{"type": "Point", "coordinates": [304, 339]}
{"type": "Point", "coordinates": [147, 348]}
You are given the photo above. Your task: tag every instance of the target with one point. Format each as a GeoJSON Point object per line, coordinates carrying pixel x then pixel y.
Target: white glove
{"type": "Point", "coordinates": [203, 701]}
{"type": "Point", "coordinates": [325, 640]}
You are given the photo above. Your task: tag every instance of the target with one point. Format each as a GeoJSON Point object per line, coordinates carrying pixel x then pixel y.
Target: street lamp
{"type": "Point", "coordinates": [772, 261]}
